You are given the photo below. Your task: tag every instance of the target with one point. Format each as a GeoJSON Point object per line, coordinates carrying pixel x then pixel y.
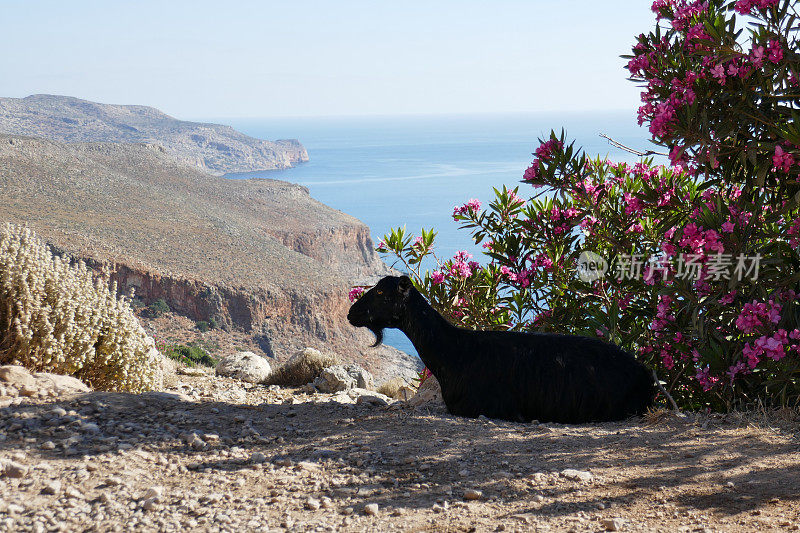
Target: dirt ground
{"type": "Point", "coordinates": [215, 454]}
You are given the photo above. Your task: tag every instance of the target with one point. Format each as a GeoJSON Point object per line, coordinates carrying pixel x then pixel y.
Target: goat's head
{"type": "Point", "coordinates": [383, 306]}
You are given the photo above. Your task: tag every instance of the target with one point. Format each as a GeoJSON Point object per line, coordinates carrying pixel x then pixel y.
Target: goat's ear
{"type": "Point", "coordinates": [404, 285]}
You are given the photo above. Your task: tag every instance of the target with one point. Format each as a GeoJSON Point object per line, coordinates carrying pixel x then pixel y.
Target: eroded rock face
{"type": "Point", "coordinates": [257, 255]}
{"type": "Point", "coordinates": [245, 366]}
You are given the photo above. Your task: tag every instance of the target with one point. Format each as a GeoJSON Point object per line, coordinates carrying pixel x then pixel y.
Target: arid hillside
{"type": "Point", "coordinates": [258, 256]}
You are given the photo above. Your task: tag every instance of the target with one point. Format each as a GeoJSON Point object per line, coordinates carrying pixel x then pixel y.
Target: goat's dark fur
{"type": "Point", "coordinates": [510, 375]}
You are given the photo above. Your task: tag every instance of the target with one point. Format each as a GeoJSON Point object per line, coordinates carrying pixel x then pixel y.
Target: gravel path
{"type": "Point", "coordinates": [215, 454]}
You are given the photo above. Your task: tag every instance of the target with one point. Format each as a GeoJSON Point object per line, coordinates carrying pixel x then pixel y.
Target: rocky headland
{"type": "Point", "coordinates": [260, 257]}
{"type": "Point", "coordinates": [214, 148]}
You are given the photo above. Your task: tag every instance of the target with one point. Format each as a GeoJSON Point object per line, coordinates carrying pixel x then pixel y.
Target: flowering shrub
{"type": "Point", "coordinates": [702, 256]}
{"type": "Point", "coordinates": [55, 318]}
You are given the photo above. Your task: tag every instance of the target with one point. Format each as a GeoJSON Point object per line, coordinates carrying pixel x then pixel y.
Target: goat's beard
{"type": "Point", "coordinates": [378, 332]}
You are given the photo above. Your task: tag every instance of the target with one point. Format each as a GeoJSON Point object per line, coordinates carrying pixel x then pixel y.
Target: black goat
{"type": "Point", "coordinates": [510, 375]}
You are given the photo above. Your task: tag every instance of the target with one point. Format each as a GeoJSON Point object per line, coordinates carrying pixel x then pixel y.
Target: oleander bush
{"type": "Point", "coordinates": [700, 266]}
{"type": "Point", "coordinates": [190, 355]}
{"type": "Point", "coordinates": [55, 317]}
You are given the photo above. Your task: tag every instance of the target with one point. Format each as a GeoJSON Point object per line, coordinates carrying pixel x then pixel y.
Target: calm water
{"type": "Point", "coordinates": [396, 171]}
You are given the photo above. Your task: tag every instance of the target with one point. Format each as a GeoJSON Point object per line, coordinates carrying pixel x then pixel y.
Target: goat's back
{"type": "Point", "coordinates": [547, 377]}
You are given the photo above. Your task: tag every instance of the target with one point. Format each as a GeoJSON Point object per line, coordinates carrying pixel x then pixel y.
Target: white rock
{"type": "Point", "coordinates": [245, 366]}
{"type": "Point", "coordinates": [54, 487]}
{"type": "Point", "coordinates": [343, 377]}
{"type": "Point", "coordinates": [613, 524]}
{"type": "Point", "coordinates": [371, 509]}
{"type": "Point", "coordinates": [577, 475]}
{"type": "Point", "coordinates": [312, 504]}
{"type": "Point", "coordinates": [17, 376]}
{"type": "Point", "coordinates": [61, 384]}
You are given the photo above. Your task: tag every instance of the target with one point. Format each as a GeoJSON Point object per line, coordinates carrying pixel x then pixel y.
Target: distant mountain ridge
{"type": "Point", "coordinates": [214, 148]}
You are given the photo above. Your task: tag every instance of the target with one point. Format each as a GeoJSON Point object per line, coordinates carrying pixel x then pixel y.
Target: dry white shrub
{"type": "Point", "coordinates": [55, 318]}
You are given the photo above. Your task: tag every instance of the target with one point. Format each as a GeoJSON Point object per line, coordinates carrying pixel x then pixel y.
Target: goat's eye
{"type": "Point", "coordinates": [380, 292]}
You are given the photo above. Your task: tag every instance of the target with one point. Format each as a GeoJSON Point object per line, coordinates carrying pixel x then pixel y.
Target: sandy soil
{"type": "Point", "coordinates": [220, 455]}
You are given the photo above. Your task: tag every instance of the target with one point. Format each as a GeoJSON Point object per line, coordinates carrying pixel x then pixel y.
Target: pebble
{"type": "Point", "coordinates": [613, 524]}
{"type": "Point", "coordinates": [577, 475]}
{"type": "Point", "coordinates": [15, 470]}
{"type": "Point", "coordinates": [258, 457]}
{"type": "Point", "coordinates": [473, 494]}
{"type": "Point", "coordinates": [313, 504]}
{"type": "Point", "coordinates": [153, 493]}
{"type": "Point", "coordinates": [371, 509]}
{"type": "Point", "coordinates": [52, 488]}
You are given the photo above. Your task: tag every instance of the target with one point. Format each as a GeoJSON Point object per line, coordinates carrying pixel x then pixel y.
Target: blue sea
{"type": "Point", "coordinates": [412, 170]}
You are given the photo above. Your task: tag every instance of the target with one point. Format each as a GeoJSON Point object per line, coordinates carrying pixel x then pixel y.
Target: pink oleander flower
{"type": "Point", "coordinates": [532, 171]}
{"type": "Point", "coordinates": [719, 73]}
{"type": "Point", "coordinates": [469, 208]}
{"type": "Point", "coordinates": [704, 377]}
{"type": "Point", "coordinates": [437, 277]}
{"type": "Point", "coordinates": [775, 52]}
{"type": "Point", "coordinates": [728, 227]}
{"type": "Point", "coordinates": [513, 199]}
{"type": "Point", "coordinates": [782, 160]}
{"type": "Point", "coordinates": [355, 293]}
{"type": "Point", "coordinates": [546, 149]}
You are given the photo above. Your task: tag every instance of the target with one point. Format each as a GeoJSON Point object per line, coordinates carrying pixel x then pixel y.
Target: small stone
{"type": "Point", "coordinates": [48, 445]}
{"type": "Point", "coordinates": [371, 509]}
{"type": "Point", "coordinates": [612, 524]}
{"type": "Point", "coordinates": [198, 443]}
{"type": "Point", "coordinates": [153, 493]}
{"type": "Point", "coordinates": [282, 461]}
{"type": "Point", "coordinates": [191, 371]}
{"type": "Point", "coordinates": [257, 457]}
{"type": "Point", "coordinates": [72, 492]}
{"type": "Point", "coordinates": [52, 488]}
{"type": "Point", "coordinates": [28, 391]}
{"type": "Point", "coordinates": [15, 470]}
{"type": "Point", "coordinates": [313, 504]}
{"type": "Point", "coordinates": [577, 475]}
{"type": "Point", "coordinates": [473, 494]}
{"type": "Point", "coordinates": [538, 498]}
{"type": "Point", "coordinates": [149, 504]}
{"type": "Point", "coordinates": [347, 511]}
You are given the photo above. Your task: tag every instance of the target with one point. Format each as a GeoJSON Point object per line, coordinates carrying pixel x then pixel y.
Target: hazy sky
{"type": "Point", "coordinates": [266, 58]}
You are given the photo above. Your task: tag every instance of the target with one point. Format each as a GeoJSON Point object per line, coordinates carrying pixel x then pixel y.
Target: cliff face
{"type": "Point", "coordinates": [258, 255]}
{"type": "Point", "coordinates": [211, 147]}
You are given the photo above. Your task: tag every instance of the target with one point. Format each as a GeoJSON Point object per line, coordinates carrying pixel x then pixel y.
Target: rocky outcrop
{"type": "Point", "coordinates": [206, 245]}
{"type": "Point", "coordinates": [212, 147]}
